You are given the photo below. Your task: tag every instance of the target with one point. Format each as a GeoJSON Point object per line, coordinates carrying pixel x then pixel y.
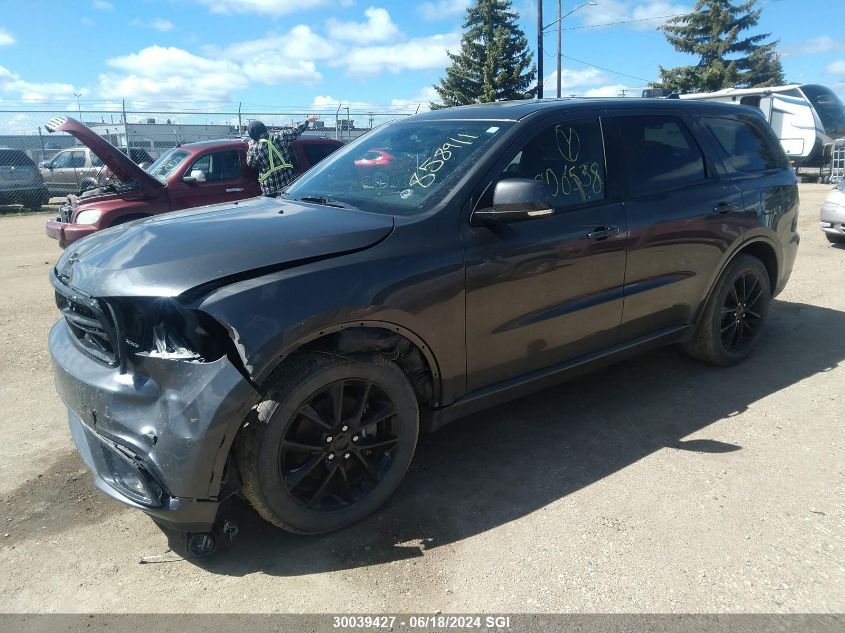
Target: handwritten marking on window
{"type": "Point", "coordinates": [568, 143]}
{"type": "Point", "coordinates": [441, 156]}
{"type": "Point", "coordinates": [583, 178]}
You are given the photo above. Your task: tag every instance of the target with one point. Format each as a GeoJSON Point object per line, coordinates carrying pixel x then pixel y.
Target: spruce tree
{"type": "Point", "coordinates": [494, 62]}
{"type": "Point", "coordinates": [726, 59]}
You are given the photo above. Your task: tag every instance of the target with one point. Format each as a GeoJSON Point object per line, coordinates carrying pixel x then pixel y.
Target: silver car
{"type": "Point", "coordinates": [71, 171]}
{"type": "Point", "coordinates": [833, 215]}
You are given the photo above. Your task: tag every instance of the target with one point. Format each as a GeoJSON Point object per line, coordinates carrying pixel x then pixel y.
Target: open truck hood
{"type": "Point", "coordinates": [167, 255]}
{"type": "Point", "coordinates": [119, 163]}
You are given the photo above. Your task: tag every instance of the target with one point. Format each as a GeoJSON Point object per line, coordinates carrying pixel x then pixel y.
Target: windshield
{"type": "Point", "coordinates": [400, 168]}
{"type": "Point", "coordinates": [829, 108]}
{"type": "Point", "coordinates": [167, 163]}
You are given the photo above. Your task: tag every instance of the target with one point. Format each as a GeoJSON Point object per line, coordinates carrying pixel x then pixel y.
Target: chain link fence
{"type": "Point", "coordinates": [27, 148]}
{"type": "Point", "coordinates": [157, 132]}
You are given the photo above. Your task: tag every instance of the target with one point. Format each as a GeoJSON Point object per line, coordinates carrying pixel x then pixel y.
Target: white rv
{"type": "Point", "coordinates": [807, 118]}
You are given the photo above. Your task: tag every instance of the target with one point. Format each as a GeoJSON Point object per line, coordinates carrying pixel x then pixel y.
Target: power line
{"type": "Point", "coordinates": [595, 26]}
{"type": "Point", "coordinates": [609, 70]}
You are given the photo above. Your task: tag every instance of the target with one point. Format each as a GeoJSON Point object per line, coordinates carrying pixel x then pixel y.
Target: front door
{"type": "Point", "coordinates": [549, 289]}
{"type": "Point", "coordinates": [217, 177]}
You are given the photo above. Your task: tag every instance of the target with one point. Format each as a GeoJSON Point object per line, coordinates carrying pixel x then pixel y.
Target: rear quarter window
{"type": "Point", "coordinates": [14, 158]}
{"type": "Point", "coordinates": [748, 146]}
{"type": "Point", "coordinates": [315, 152]}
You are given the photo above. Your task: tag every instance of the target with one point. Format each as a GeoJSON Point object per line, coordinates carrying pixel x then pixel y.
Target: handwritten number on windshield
{"type": "Point", "coordinates": [441, 156]}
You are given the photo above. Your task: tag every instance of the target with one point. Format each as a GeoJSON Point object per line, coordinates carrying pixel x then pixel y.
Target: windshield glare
{"type": "Point", "coordinates": [400, 168]}
{"type": "Point", "coordinates": [167, 163]}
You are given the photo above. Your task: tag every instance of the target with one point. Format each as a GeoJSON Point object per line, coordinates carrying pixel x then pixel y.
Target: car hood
{"type": "Point", "coordinates": [120, 164]}
{"type": "Point", "coordinates": [167, 255]}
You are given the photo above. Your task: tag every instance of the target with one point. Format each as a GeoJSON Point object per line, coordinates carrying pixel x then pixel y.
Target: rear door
{"type": "Point", "coordinates": [682, 215]}
{"type": "Point", "coordinates": [549, 289]}
{"type": "Point", "coordinates": [757, 165]}
{"type": "Point", "coordinates": [220, 178]}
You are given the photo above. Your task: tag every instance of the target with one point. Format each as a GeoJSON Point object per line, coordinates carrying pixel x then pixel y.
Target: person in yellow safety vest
{"type": "Point", "coordinates": [271, 155]}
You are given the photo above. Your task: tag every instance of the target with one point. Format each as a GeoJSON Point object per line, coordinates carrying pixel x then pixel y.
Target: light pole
{"type": "Point", "coordinates": [559, 23]}
{"type": "Point", "coordinates": [78, 107]}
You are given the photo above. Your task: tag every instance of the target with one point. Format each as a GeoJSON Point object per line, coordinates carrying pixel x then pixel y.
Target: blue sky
{"type": "Point", "coordinates": [317, 53]}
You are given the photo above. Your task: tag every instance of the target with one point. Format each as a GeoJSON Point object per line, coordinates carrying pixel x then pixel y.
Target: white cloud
{"type": "Point", "coordinates": [166, 74]}
{"type": "Point", "coordinates": [612, 90]}
{"type": "Point", "coordinates": [158, 24]}
{"type": "Point", "coordinates": [442, 9]}
{"type": "Point", "coordinates": [572, 79]}
{"type": "Point", "coordinates": [613, 11]}
{"type": "Point", "coordinates": [270, 71]}
{"type": "Point", "coordinates": [836, 68]}
{"type": "Point", "coordinates": [266, 7]}
{"type": "Point", "coordinates": [102, 5]}
{"type": "Point", "coordinates": [6, 38]}
{"type": "Point", "coordinates": [300, 43]}
{"type": "Point", "coordinates": [379, 27]}
{"type": "Point", "coordinates": [13, 85]}
{"type": "Point", "coordinates": [419, 53]}
{"type": "Point", "coordinates": [815, 46]}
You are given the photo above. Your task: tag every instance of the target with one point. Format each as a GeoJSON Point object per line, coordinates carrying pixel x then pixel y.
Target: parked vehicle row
{"type": "Point", "coordinates": [190, 175]}
{"type": "Point", "coordinates": [20, 180]}
{"type": "Point", "coordinates": [313, 336]}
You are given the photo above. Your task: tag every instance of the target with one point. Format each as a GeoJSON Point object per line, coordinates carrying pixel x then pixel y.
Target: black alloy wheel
{"type": "Point", "coordinates": [330, 441]}
{"type": "Point", "coordinates": [742, 313]}
{"type": "Point", "coordinates": [340, 444]}
{"type": "Point", "coordinates": [732, 320]}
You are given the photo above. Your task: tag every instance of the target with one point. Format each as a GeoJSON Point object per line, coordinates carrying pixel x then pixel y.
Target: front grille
{"type": "Point", "coordinates": [92, 325]}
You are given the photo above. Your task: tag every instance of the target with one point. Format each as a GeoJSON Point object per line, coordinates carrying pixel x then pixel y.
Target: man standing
{"type": "Point", "coordinates": [271, 155]}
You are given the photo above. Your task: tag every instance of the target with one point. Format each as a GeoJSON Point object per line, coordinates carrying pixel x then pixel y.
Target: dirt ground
{"type": "Point", "coordinates": [658, 485]}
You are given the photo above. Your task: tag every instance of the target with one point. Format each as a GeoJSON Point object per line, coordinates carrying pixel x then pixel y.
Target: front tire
{"type": "Point", "coordinates": [329, 443]}
{"type": "Point", "coordinates": [835, 239]}
{"type": "Point", "coordinates": [735, 313]}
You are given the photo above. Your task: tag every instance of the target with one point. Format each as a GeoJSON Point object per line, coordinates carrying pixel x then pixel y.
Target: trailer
{"type": "Point", "coordinates": [807, 118]}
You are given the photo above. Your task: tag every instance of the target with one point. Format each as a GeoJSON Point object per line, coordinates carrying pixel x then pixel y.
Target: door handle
{"type": "Point", "coordinates": [233, 189]}
{"type": "Point", "coordinates": [725, 207]}
{"type": "Point", "coordinates": [603, 232]}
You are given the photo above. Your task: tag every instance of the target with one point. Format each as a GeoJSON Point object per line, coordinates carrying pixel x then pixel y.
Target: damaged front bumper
{"type": "Point", "coordinates": [156, 434]}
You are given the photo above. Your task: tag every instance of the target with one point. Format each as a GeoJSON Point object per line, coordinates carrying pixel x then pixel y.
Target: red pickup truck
{"type": "Point", "coordinates": [190, 175]}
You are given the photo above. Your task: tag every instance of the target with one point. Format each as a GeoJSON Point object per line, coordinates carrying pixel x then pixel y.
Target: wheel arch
{"type": "Point", "coordinates": [412, 353]}
{"type": "Point", "coordinates": [759, 247]}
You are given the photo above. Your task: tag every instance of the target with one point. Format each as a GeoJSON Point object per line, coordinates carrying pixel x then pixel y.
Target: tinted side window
{"type": "Point", "coordinates": [315, 152]}
{"type": "Point", "coordinates": [61, 160]}
{"type": "Point", "coordinates": [748, 148]}
{"type": "Point", "coordinates": [14, 157]}
{"type": "Point", "coordinates": [569, 157]}
{"type": "Point", "coordinates": [659, 153]}
{"type": "Point", "coordinates": [77, 160]}
{"type": "Point", "coordinates": [219, 165]}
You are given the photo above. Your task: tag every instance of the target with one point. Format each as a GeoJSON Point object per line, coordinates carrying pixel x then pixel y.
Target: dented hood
{"type": "Point", "coordinates": [119, 163]}
{"type": "Point", "coordinates": [167, 255]}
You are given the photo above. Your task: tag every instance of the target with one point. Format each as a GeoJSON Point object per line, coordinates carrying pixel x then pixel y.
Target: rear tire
{"type": "Point", "coordinates": [734, 315]}
{"type": "Point", "coordinates": [329, 443]}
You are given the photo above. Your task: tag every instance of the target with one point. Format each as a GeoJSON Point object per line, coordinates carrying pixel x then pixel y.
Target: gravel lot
{"type": "Point", "coordinates": [656, 485]}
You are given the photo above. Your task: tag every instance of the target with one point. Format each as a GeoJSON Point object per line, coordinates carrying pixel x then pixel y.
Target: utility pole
{"type": "Point", "coordinates": [541, 29]}
{"type": "Point", "coordinates": [539, 49]}
{"type": "Point", "coordinates": [559, 47]}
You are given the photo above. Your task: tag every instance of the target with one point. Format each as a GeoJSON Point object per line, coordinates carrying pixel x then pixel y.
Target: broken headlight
{"type": "Point", "coordinates": [164, 328]}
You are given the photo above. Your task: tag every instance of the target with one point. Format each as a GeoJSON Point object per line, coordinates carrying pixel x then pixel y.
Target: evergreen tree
{"type": "Point", "coordinates": [494, 62]}
{"type": "Point", "coordinates": [726, 60]}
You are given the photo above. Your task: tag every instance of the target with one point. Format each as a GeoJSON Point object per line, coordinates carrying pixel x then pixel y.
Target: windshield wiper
{"type": "Point", "coordinates": [329, 202]}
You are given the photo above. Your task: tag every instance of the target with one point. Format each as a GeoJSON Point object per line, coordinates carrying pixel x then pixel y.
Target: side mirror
{"type": "Point", "coordinates": [197, 175]}
{"type": "Point", "coordinates": [516, 200]}
{"type": "Point", "coordinates": [45, 164]}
